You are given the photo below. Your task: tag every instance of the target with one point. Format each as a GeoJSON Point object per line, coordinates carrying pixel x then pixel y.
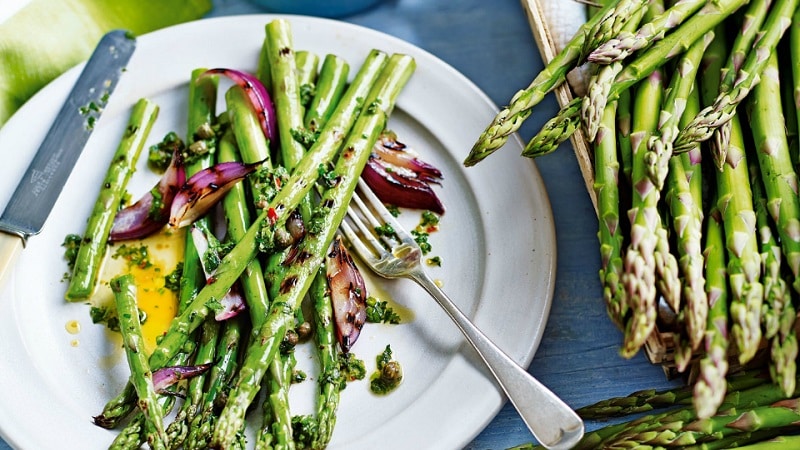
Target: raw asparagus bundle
{"type": "Point", "coordinates": [732, 234]}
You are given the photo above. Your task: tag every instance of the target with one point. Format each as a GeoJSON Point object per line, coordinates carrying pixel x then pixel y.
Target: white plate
{"type": "Point", "coordinates": [497, 243]}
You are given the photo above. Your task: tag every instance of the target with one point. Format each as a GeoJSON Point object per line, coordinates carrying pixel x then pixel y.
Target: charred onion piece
{"type": "Point", "coordinates": [348, 295]}
{"type": "Point", "coordinates": [398, 177]}
{"type": "Point", "coordinates": [167, 376]}
{"type": "Point", "coordinates": [233, 302]}
{"type": "Point", "coordinates": [204, 189]}
{"type": "Point", "coordinates": [150, 213]}
{"type": "Point", "coordinates": [391, 151]}
{"type": "Point", "coordinates": [259, 99]}
{"type": "Point", "coordinates": [401, 191]}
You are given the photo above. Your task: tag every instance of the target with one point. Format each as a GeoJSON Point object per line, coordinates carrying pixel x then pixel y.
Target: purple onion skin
{"type": "Point", "coordinates": [400, 191]}
{"type": "Point", "coordinates": [167, 376]}
{"type": "Point", "coordinates": [259, 99]}
{"type": "Point", "coordinates": [348, 295]}
{"type": "Point", "coordinates": [233, 302]}
{"type": "Point", "coordinates": [391, 151]}
{"type": "Point", "coordinates": [204, 189]}
{"type": "Point", "coordinates": [140, 220]}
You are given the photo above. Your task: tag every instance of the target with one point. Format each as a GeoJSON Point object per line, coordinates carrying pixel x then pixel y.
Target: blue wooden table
{"type": "Point", "coordinates": [490, 42]}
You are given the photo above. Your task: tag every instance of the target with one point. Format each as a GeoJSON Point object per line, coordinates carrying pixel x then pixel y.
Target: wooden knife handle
{"type": "Point", "coordinates": [10, 247]}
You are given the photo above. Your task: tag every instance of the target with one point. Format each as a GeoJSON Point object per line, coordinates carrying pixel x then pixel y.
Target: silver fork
{"type": "Point", "coordinates": [551, 421]}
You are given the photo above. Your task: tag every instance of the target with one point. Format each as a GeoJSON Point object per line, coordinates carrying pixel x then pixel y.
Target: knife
{"type": "Point", "coordinates": [37, 192]}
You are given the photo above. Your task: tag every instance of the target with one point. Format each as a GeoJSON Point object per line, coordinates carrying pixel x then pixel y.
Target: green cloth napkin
{"type": "Point", "coordinates": [47, 37]}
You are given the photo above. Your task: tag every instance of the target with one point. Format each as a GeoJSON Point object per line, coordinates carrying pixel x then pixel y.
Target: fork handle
{"type": "Point", "coordinates": [551, 421]}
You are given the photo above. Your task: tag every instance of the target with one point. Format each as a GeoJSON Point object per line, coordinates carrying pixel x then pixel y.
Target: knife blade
{"type": "Point", "coordinates": [40, 186]}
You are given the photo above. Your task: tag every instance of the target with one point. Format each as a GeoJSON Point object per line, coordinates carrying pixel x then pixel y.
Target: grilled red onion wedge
{"type": "Point", "coordinates": [150, 213]}
{"type": "Point", "coordinates": [259, 99]}
{"type": "Point", "coordinates": [204, 189]}
{"type": "Point", "coordinates": [232, 303]}
{"type": "Point", "coordinates": [167, 376]}
{"type": "Point", "coordinates": [398, 177]}
{"type": "Point", "coordinates": [348, 294]}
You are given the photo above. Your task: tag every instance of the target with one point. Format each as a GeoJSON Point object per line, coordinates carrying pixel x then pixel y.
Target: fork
{"type": "Point", "coordinates": [551, 421]}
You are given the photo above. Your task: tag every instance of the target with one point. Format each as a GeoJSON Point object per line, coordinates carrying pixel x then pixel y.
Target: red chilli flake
{"type": "Point", "coordinates": [272, 216]}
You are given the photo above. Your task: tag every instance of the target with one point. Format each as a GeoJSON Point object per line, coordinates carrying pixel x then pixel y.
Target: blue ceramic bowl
{"type": "Point", "coordinates": [322, 8]}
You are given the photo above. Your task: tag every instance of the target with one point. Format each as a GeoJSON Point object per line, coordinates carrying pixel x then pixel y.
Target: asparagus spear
{"type": "Point", "coordinates": [709, 388]}
{"type": "Point", "coordinates": [93, 245]}
{"type": "Point", "coordinates": [612, 22]}
{"type": "Point", "coordinates": [639, 277]}
{"type": "Point", "coordinates": [128, 313]}
{"type": "Point", "coordinates": [330, 380]}
{"type": "Point", "coordinates": [555, 131]}
{"type": "Point", "coordinates": [752, 20]}
{"type": "Point", "coordinates": [357, 148]}
{"type": "Point", "coordinates": [672, 45]}
{"type": "Point", "coordinates": [511, 118]}
{"type": "Point", "coordinates": [609, 233]}
{"type": "Point", "coordinates": [627, 42]}
{"type": "Point", "coordinates": [601, 81]}
{"type": "Point", "coordinates": [794, 58]}
{"type": "Point", "coordinates": [330, 86]}
{"type": "Point", "coordinates": [202, 106]}
{"type": "Point", "coordinates": [778, 443]}
{"type": "Point", "coordinates": [779, 180]}
{"type": "Point", "coordinates": [307, 64]}
{"type": "Point", "coordinates": [724, 106]}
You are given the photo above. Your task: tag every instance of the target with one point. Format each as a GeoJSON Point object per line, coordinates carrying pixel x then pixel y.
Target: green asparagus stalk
{"type": "Point", "coordinates": [128, 313]}
{"type": "Point", "coordinates": [330, 86]}
{"type": "Point", "coordinates": [775, 161]}
{"type": "Point", "coordinates": [724, 106]}
{"type": "Point", "coordinates": [93, 245]}
{"type": "Point", "coordinates": [609, 233]}
{"type": "Point", "coordinates": [794, 58]}
{"type": "Point", "coordinates": [601, 81]}
{"type": "Point", "coordinates": [752, 20]}
{"type": "Point", "coordinates": [555, 131]}
{"type": "Point", "coordinates": [511, 118]}
{"type": "Point", "coordinates": [778, 443]}
{"type": "Point", "coordinates": [779, 177]}
{"type": "Point", "coordinates": [744, 260]}
{"type": "Point", "coordinates": [202, 107]}
{"type": "Point", "coordinates": [627, 42]}
{"type": "Point", "coordinates": [672, 45]}
{"type": "Point", "coordinates": [710, 388]}
{"type": "Point", "coordinates": [285, 90]}
{"type": "Point", "coordinates": [221, 374]}
{"type": "Point", "coordinates": [639, 277]}
{"type": "Point", "coordinates": [330, 381]}
{"type": "Point", "coordinates": [301, 271]}
{"type": "Point", "coordinates": [307, 64]}
{"type": "Point", "coordinates": [612, 22]}
{"type": "Point", "coordinates": [681, 85]}
{"type": "Point", "coordinates": [650, 399]}
{"type": "Point", "coordinates": [624, 134]}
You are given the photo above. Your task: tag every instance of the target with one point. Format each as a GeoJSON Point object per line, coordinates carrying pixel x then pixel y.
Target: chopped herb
{"type": "Point", "coordinates": [106, 316]}
{"type": "Point", "coordinates": [435, 261]}
{"type": "Point", "coordinates": [327, 178]}
{"type": "Point", "coordinates": [317, 221]}
{"type": "Point", "coordinates": [214, 305]}
{"type": "Point", "coordinates": [379, 311]}
{"type": "Point", "coordinates": [307, 93]}
{"type": "Point", "coordinates": [305, 430]}
{"type": "Point", "coordinates": [388, 375]}
{"type": "Point", "coordinates": [429, 220]}
{"type": "Point", "coordinates": [173, 280]}
{"type": "Point", "coordinates": [266, 183]}
{"type": "Point", "coordinates": [351, 368]}
{"type": "Point", "coordinates": [157, 206]}
{"type": "Point", "coordinates": [393, 210]}
{"type": "Point", "coordinates": [373, 107]}
{"type": "Point", "coordinates": [71, 244]}
{"type": "Point", "coordinates": [304, 136]}
{"type": "Point", "coordinates": [135, 256]}
{"type": "Point", "coordinates": [385, 230]}
{"type": "Point", "coordinates": [160, 155]}
{"type": "Point", "coordinates": [421, 238]}
{"type": "Point", "coordinates": [298, 376]}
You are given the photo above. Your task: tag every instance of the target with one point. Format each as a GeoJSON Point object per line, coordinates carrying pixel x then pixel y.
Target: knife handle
{"type": "Point", "coordinates": [10, 247]}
